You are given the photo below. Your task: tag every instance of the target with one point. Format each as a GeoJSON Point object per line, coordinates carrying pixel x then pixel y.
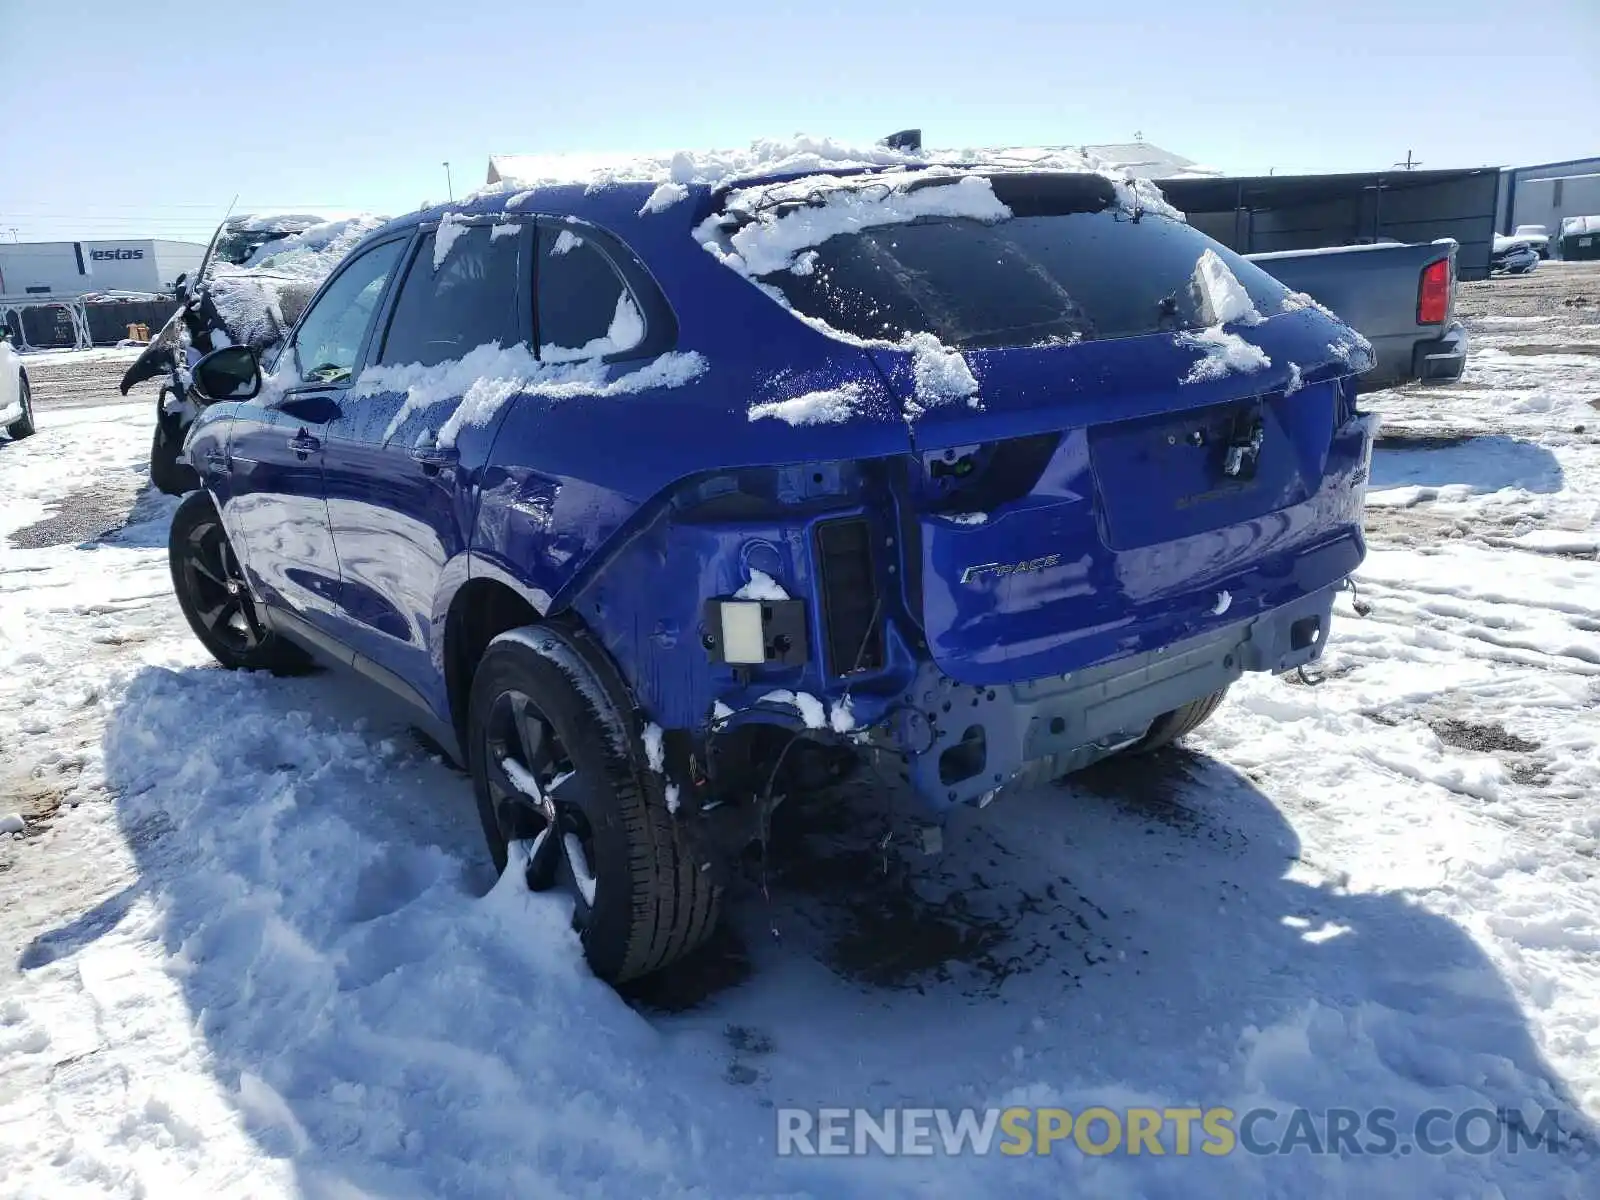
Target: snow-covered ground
{"type": "Point", "coordinates": [245, 946]}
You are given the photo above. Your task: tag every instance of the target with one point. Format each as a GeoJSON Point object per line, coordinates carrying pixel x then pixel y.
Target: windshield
{"type": "Point", "coordinates": [1040, 278]}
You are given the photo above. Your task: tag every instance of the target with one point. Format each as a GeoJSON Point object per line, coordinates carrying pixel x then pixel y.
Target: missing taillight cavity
{"type": "Point", "coordinates": [1433, 293]}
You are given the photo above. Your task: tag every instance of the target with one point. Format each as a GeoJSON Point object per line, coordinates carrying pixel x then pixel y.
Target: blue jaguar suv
{"type": "Point", "coordinates": [660, 501]}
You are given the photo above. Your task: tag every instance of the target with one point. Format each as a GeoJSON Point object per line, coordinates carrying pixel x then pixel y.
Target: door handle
{"type": "Point", "coordinates": [302, 443]}
{"type": "Point", "coordinates": [429, 453]}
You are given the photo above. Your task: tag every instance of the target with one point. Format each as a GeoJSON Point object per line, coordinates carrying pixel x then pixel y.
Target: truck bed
{"type": "Point", "coordinates": [1376, 289]}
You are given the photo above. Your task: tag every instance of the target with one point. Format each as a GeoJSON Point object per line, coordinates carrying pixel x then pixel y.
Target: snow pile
{"type": "Point", "coordinates": [625, 332]}
{"type": "Point", "coordinates": [803, 155]}
{"type": "Point", "coordinates": [813, 408]}
{"type": "Point", "coordinates": [258, 303]}
{"type": "Point", "coordinates": [765, 156]}
{"type": "Point", "coordinates": [777, 222]}
{"type": "Point", "coordinates": [1222, 353]}
{"type": "Point", "coordinates": [663, 198]}
{"type": "Point", "coordinates": [488, 376]}
{"type": "Point", "coordinates": [842, 716]}
{"type": "Point", "coordinates": [941, 373]}
{"type": "Point", "coordinates": [1221, 294]}
{"type": "Point", "coordinates": [313, 252]}
{"type": "Point", "coordinates": [813, 712]}
{"type": "Point", "coordinates": [451, 227]}
{"type": "Point", "coordinates": [654, 755]}
{"type": "Point", "coordinates": [566, 242]}
{"type": "Point", "coordinates": [761, 586]}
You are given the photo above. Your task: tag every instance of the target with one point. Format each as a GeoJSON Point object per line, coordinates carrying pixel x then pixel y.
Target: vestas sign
{"type": "Point", "coordinates": [115, 255]}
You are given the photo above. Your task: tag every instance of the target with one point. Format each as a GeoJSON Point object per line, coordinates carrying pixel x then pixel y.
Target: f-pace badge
{"type": "Point", "coordinates": [1000, 570]}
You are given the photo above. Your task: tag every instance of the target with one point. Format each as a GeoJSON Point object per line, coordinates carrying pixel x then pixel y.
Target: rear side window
{"type": "Point", "coordinates": [1025, 281]}
{"type": "Point", "coordinates": [585, 308]}
{"type": "Point", "coordinates": [468, 300]}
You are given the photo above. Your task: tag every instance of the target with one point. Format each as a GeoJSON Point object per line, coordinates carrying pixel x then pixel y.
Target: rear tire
{"type": "Point", "coordinates": [1169, 727]}
{"type": "Point", "coordinates": [23, 426]}
{"type": "Point", "coordinates": [586, 814]}
{"type": "Point", "coordinates": [216, 599]}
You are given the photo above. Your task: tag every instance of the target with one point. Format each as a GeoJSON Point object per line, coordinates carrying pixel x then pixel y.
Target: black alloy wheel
{"type": "Point", "coordinates": [216, 598]}
{"type": "Point", "coordinates": [539, 801]}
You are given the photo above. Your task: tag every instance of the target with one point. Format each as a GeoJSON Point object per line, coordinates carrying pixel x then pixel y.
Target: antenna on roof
{"type": "Point", "coordinates": [905, 139]}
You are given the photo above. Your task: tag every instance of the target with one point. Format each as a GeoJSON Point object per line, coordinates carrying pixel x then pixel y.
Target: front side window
{"type": "Point", "coordinates": [585, 309]}
{"type": "Point", "coordinates": [468, 300]}
{"type": "Point", "coordinates": [329, 337]}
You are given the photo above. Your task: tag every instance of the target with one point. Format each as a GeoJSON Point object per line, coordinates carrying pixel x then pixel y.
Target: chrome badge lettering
{"type": "Point", "coordinates": [1001, 570]}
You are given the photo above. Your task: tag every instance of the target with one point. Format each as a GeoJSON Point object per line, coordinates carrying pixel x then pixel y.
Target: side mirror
{"type": "Point", "coordinates": [231, 373]}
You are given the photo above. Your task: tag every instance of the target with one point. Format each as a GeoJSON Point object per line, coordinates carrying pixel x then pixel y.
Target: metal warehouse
{"type": "Point", "coordinates": [1548, 193]}
{"type": "Point", "coordinates": [78, 268]}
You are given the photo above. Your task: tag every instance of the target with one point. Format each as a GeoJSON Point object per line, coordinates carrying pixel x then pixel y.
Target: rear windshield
{"type": "Point", "coordinates": [1035, 278]}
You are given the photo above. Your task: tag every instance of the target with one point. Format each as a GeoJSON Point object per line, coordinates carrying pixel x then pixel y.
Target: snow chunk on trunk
{"type": "Point", "coordinates": [941, 373]}
{"type": "Point", "coordinates": [1221, 293]}
{"type": "Point", "coordinates": [761, 587]}
{"type": "Point", "coordinates": [1224, 352]}
{"type": "Point", "coordinates": [813, 408]}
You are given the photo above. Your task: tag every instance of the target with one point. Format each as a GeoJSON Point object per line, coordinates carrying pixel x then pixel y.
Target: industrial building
{"type": "Point", "coordinates": [1547, 194]}
{"type": "Point", "coordinates": [79, 268]}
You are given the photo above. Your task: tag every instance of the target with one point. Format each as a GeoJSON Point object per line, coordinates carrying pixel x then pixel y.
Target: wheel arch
{"type": "Point", "coordinates": [486, 606]}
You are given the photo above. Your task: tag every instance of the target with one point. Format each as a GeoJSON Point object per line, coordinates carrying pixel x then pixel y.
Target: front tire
{"type": "Point", "coordinates": [216, 599]}
{"type": "Point", "coordinates": [582, 813]}
{"type": "Point", "coordinates": [23, 426]}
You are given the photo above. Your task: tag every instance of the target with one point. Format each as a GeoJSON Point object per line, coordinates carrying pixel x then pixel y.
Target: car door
{"type": "Point", "coordinates": [401, 478]}
{"type": "Point", "coordinates": [275, 452]}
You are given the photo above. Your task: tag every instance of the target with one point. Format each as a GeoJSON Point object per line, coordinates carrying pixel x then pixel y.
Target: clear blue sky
{"type": "Point", "coordinates": [146, 117]}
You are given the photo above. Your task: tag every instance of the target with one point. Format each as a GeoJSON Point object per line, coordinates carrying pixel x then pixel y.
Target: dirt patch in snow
{"type": "Point", "coordinates": [82, 516]}
{"type": "Point", "coordinates": [1568, 348]}
{"type": "Point", "coordinates": [1485, 738]}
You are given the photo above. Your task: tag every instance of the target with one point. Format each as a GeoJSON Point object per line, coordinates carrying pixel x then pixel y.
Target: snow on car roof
{"type": "Point", "coordinates": [802, 155]}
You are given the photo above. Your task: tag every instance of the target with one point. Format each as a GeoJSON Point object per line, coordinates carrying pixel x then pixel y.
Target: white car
{"type": "Point", "coordinates": [16, 400]}
{"type": "Point", "coordinates": [1536, 236]}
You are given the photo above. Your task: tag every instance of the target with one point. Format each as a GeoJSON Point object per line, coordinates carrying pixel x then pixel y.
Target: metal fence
{"type": "Point", "coordinates": [49, 326]}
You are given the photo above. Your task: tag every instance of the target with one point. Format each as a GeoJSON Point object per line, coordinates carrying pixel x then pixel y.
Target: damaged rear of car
{"type": "Point", "coordinates": [660, 501]}
{"type": "Point", "coordinates": [1130, 469]}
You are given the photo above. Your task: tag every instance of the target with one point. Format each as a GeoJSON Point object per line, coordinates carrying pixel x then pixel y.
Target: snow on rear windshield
{"type": "Point", "coordinates": [1069, 265]}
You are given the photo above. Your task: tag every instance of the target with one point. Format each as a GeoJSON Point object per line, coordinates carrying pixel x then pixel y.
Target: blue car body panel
{"type": "Point", "coordinates": [630, 511]}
